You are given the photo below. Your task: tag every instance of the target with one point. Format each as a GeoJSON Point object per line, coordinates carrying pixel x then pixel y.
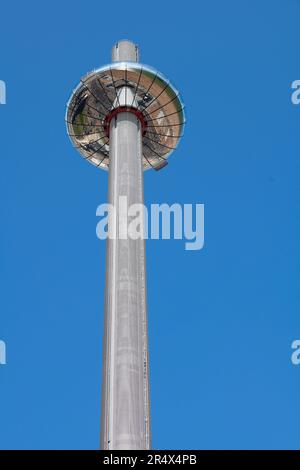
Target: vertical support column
{"type": "Point", "coordinates": [125, 391]}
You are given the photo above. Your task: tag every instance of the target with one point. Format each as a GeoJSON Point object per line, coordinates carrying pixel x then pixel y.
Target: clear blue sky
{"type": "Point", "coordinates": [221, 319]}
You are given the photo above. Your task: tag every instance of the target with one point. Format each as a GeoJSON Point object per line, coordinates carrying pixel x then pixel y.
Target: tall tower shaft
{"type": "Point", "coordinates": [125, 117]}
{"type": "Point", "coordinates": [125, 392]}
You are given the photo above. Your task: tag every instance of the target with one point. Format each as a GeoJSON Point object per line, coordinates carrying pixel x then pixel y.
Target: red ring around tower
{"type": "Point", "coordinates": [124, 109]}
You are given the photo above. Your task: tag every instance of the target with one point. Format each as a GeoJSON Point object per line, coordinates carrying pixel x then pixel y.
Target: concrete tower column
{"type": "Point", "coordinates": [125, 392]}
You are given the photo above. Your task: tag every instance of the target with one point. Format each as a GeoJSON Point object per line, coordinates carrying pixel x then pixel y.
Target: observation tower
{"type": "Point", "coordinates": [125, 118]}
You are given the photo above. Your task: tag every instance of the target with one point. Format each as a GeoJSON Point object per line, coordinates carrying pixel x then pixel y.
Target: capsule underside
{"type": "Point", "coordinates": [97, 96]}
